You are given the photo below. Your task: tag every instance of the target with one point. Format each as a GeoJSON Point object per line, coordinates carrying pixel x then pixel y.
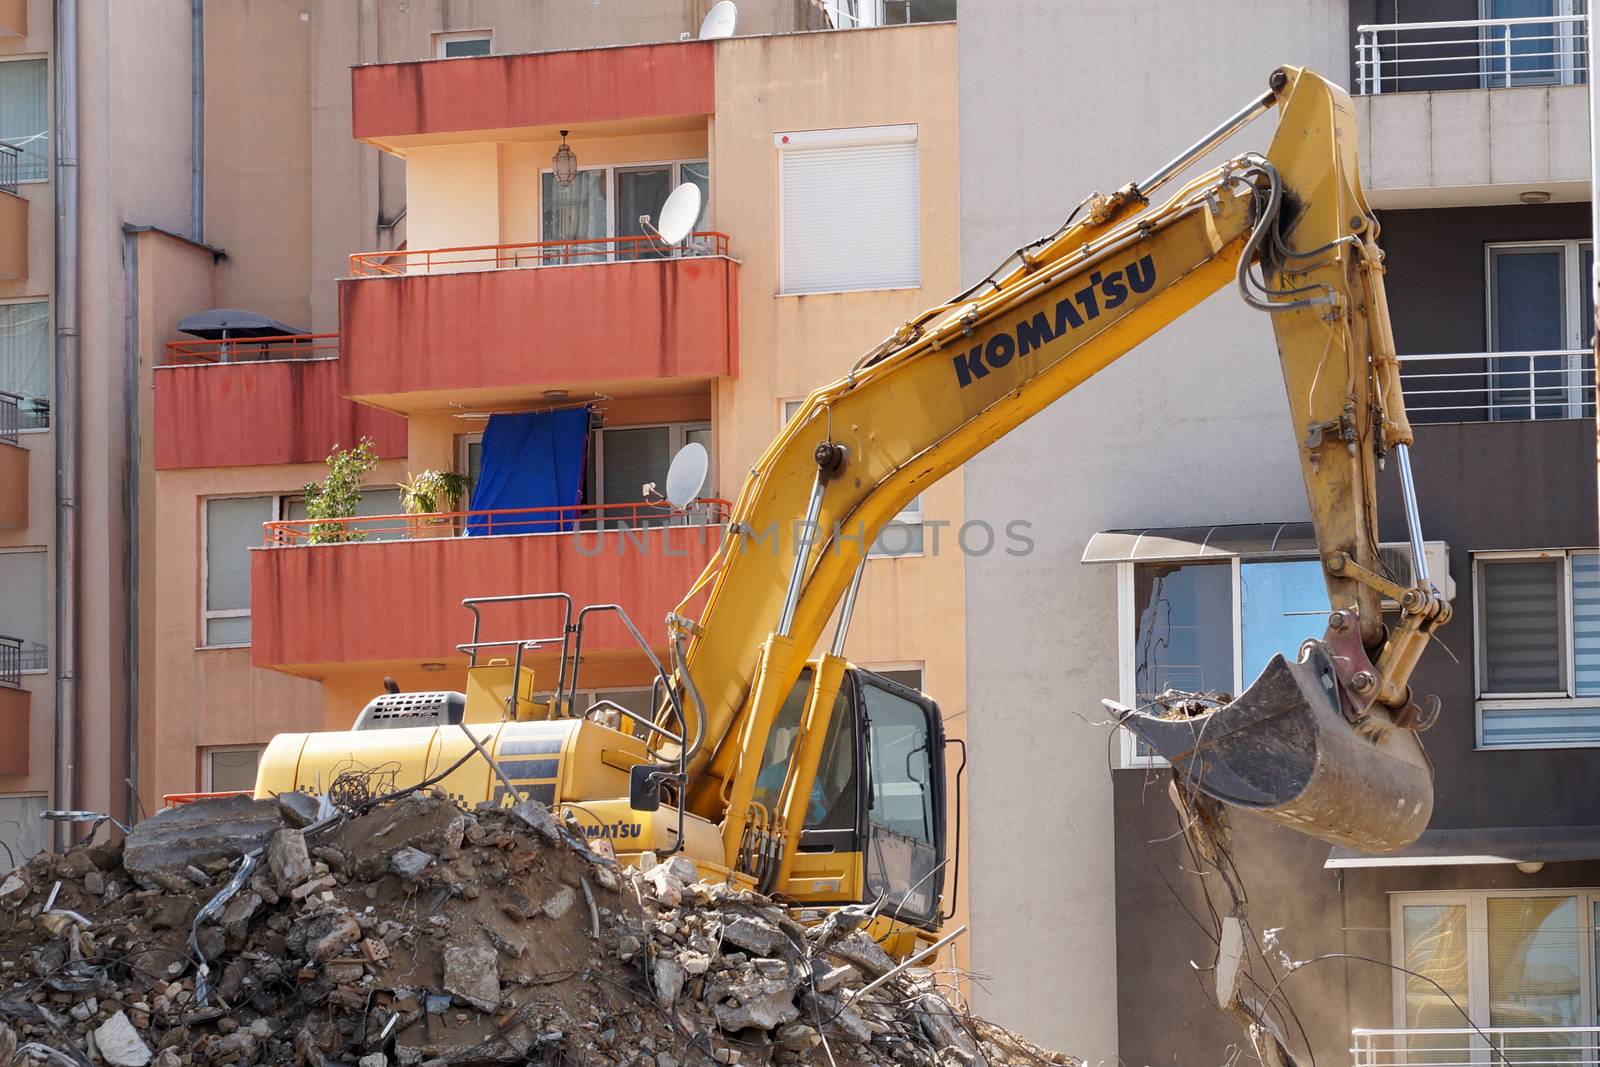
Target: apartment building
{"type": "Point", "coordinates": [282, 295]}
{"type": "Point", "coordinates": [1475, 152]}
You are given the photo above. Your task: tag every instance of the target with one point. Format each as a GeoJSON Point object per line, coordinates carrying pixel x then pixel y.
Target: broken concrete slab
{"type": "Point", "coordinates": [160, 848]}
{"type": "Point", "coordinates": [119, 1044]}
{"type": "Point", "coordinates": [427, 823]}
{"type": "Point", "coordinates": [288, 859]}
{"type": "Point", "coordinates": [753, 935]}
{"type": "Point", "coordinates": [472, 974]}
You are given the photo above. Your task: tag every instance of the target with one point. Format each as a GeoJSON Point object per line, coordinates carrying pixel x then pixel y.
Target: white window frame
{"type": "Point", "coordinates": [677, 438]}
{"type": "Point", "coordinates": [207, 614]}
{"type": "Point", "coordinates": [50, 312]}
{"type": "Point", "coordinates": [843, 138]}
{"type": "Point", "coordinates": [1568, 45]}
{"type": "Point", "coordinates": [1477, 903]}
{"type": "Point", "coordinates": [1127, 626]}
{"type": "Point", "coordinates": [1487, 701]}
{"type": "Point", "coordinates": [440, 40]}
{"type": "Point", "coordinates": [1575, 252]}
{"type": "Point", "coordinates": [611, 169]}
{"type": "Point", "coordinates": [910, 515]}
{"type": "Point", "coordinates": [207, 751]}
{"type": "Point", "coordinates": [49, 644]}
{"type": "Point", "coordinates": [50, 124]}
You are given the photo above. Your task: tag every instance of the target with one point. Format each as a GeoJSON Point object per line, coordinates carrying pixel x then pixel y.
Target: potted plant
{"type": "Point", "coordinates": [432, 494]}
{"type": "Point", "coordinates": [336, 496]}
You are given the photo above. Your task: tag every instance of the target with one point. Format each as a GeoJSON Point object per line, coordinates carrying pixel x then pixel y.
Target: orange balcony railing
{"type": "Point", "coordinates": [252, 349]}
{"type": "Point", "coordinates": [534, 254]}
{"type": "Point", "coordinates": [707, 511]}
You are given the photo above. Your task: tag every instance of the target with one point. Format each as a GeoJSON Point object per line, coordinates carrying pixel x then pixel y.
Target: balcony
{"type": "Point", "coordinates": [426, 331]}
{"type": "Point", "coordinates": [1497, 1046]}
{"type": "Point", "coordinates": [13, 217]}
{"type": "Point", "coordinates": [13, 707]}
{"type": "Point", "coordinates": [262, 400]}
{"type": "Point", "coordinates": [1473, 111]}
{"type": "Point", "coordinates": [386, 590]}
{"type": "Point", "coordinates": [1499, 386]}
{"type": "Point", "coordinates": [13, 465]}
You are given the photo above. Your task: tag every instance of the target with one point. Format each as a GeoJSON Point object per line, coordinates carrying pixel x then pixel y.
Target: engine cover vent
{"type": "Point", "coordinates": [398, 711]}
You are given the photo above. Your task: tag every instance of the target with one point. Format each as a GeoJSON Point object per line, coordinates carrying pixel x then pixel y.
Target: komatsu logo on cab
{"type": "Point", "coordinates": [1105, 292]}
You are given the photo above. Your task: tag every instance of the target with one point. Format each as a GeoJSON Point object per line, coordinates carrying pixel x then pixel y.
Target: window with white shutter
{"type": "Point", "coordinates": [232, 528]}
{"type": "Point", "coordinates": [24, 604]}
{"type": "Point", "coordinates": [849, 212]}
{"type": "Point", "coordinates": [1538, 648]}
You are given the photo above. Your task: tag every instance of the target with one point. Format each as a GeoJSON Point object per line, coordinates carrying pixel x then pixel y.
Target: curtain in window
{"type": "Point", "coordinates": [24, 118]}
{"type": "Point", "coordinates": [25, 358]}
{"type": "Point", "coordinates": [531, 460]}
{"type": "Point", "coordinates": [24, 604]}
{"type": "Point", "coordinates": [1436, 949]}
{"type": "Point", "coordinates": [575, 213]}
{"type": "Point", "coordinates": [1534, 972]}
{"type": "Point", "coordinates": [1586, 622]}
{"type": "Point", "coordinates": [233, 527]}
{"type": "Point", "coordinates": [1522, 627]}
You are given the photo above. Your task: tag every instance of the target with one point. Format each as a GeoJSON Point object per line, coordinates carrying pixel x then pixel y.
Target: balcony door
{"type": "Point", "coordinates": [627, 458]}
{"type": "Point", "coordinates": [1533, 53]}
{"type": "Point", "coordinates": [1541, 317]}
{"type": "Point", "coordinates": [604, 203]}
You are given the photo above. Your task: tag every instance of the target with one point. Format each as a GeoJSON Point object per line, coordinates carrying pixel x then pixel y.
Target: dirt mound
{"type": "Point", "coordinates": [245, 932]}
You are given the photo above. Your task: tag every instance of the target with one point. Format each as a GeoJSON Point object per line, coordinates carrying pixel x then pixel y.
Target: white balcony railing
{"type": "Point", "coordinates": [1499, 386]}
{"type": "Point", "coordinates": [1478, 54]}
{"type": "Point", "coordinates": [1501, 1046]}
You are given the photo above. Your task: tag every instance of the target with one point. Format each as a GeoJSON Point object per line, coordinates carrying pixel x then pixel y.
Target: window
{"type": "Point", "coordinates": [463, 43]}
{"type": "Point", "coordinates": [856, 14]}
{"type": "Point", "coordinates": [232, 528]}
{"type": "Point", "coordinates": [1509, 959]}
{"type": "Point", "coordinates": [25, 116]}
{"type": "Point", "coordinates": [25, 364]}
{"type": "Point", "coordinates": [910, 677]}
{"type": "Point", "coordinates": [22, 831]}
{"type": "Point", "coordinates": [1538, 648]}
{"type": "Point", "coordinates": [1541, 303]}
{"type": "Point", "coordinates": [903, 534]}
{"type": "Point", "coordinates": [849, 215]}
{"type": "Point", "coordinates": [24, 604]}
{"type": "Point", "coordinates": [230, 768]}
{"type": "Point", "coordinates": [1540, 53]}
{"type": "Point", "coordinates": [606, 202]}
{"type": "Point", "coordinates": [626, 458]}
{"type": "Point", "coordinates": [1211, 626]}
{"type": "Point", "coordinates": [903, 819]}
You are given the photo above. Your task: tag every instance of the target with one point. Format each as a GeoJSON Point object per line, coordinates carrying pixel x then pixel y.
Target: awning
{"type": "Point", "coordinates": [223, 324]}
{"type": "Point", "coordinates": [1175, 543]}
{"type": "Point", "coordinates": [1479, 845]}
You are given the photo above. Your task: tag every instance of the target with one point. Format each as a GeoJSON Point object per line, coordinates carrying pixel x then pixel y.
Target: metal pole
{"type": "Point", "coordinates": [197, 120]}
{"type": "Point", "coordinates": [802, 551]}
{"type": "Point", "coordinates": [64, 411]}
{"type": "Point", "coordinates": [847, 609]}
{"type": "Point", "coordinates": [1208, 142]}
{"type": "Point", "coordinates": [1408, 491]}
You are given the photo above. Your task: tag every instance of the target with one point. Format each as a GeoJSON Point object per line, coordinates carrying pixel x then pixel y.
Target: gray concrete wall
{"type": "Point", "coordinates": [1058, 100]}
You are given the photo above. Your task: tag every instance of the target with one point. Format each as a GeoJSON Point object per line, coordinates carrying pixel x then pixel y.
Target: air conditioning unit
{"type": "Point", "coordinates": [1397, 566]}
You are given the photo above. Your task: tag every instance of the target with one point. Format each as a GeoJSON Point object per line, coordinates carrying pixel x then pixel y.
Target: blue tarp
{"type": "Point", "coordinates": [532, 460]}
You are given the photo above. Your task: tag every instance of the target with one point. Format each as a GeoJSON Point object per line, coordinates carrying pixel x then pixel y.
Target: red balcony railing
{"type": "Point", "coordinates": [706, 511]}
{"type": "Point", "coordinates": [252, 349]}
{"type": "Point", "coordinates": [534, 254]}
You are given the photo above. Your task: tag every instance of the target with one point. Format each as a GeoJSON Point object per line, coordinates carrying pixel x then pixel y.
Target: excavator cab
{"type": "Point", "coordinates": [873, 825]}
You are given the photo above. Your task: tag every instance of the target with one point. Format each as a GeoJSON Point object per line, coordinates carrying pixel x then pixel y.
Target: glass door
{"type": "Point", "coordinates": [640, 192]}
{"type": "Point", "coordinates": [575, 213]}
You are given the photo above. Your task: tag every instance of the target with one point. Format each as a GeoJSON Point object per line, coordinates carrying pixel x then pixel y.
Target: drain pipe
{"type": "Point", "coordinates": [65, 793]}
{"type": "Point", "coordinates": [131, 469]}
{"type": "Point", "coordinates": [197, 121]}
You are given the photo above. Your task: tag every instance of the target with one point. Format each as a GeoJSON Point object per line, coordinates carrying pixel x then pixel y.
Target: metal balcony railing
{"type": "Point", "coordinates": [533, 254]}
{"type": "Point", "coordinates": [10, 661]}
{"type": "Point", "coordinates": [286, 533]}
{"type": "Point", "coordinates": [1499, 386]}
{"type": "Point", "coordinates": [1477, 54]}
{"type": "Point", "coordinates": [10, 417]}
{"type": "Point", "coordinates": [10, 154]}
{"type": "Point", "coordinates": [252, 349]}
{"type": "Point", "coordinates": [1499, 1046]}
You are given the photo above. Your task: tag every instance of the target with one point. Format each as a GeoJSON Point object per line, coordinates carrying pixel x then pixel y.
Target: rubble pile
{"type": "Point", "coordinates": [239, 931]}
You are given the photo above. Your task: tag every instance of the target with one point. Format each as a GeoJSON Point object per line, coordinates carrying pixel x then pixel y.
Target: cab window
{"type": "Point", "coordinates": [903, 815]}
{"type": "Point", "coordinates": [781, 742]}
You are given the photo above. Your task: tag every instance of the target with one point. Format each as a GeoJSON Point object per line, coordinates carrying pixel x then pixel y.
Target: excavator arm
{"type": "Point", "coordinates": [1329, 744]}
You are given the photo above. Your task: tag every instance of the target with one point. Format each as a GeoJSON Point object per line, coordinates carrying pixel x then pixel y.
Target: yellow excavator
{"type": "Point", "coordinates": [825, 784]}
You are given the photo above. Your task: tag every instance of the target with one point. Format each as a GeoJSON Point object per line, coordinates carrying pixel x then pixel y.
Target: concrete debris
{"type": "Point", "coordinates": [419, 933]}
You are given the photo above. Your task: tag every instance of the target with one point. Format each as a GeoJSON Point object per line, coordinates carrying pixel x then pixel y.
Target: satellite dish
{"type": "Point", "coordinates": [687, 475]}
{"type": "Point", "coordinates": [679, 213]}
{"type": "Point", "coordinates": [719, 20]}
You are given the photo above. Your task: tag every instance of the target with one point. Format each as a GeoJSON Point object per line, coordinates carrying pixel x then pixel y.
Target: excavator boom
{"type": "Point", "coordinates": [1328, 744]}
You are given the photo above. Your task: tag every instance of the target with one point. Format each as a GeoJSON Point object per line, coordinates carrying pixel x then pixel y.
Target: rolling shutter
{"type": "Point", "coordinates": [850, 215]}
{"type": "Point", "coordinates": [1521, 623]}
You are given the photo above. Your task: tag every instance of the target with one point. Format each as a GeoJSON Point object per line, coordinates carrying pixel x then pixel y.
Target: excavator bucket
{"type": "Point", "coordinates": [1286, 750]}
